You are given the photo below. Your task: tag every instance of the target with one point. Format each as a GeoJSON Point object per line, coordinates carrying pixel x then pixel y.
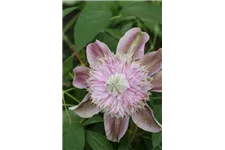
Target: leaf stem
{"type": "Point", "coordinates": [68, 104]}
{"type": "Point", "coordinates": [69, 43]}
{"type": "Point", "coordinates": [75, 99]}
{"type": "Point", "coordinates": [67, 90]}
{"type": "Point", "coordinates": [82, 121]}
{"type": "Point", "coordinates": [152, 47]}
{"type": "Point", "coordinates": [134, 133]}
{"type": "Point", "coordinates": [64, 103]}
{"type": "Point", "coordinates": [71, 75]}
{"type": "Point", "coordinates": [115, 17]}
{"type": "Point", "coordinates": [70, 23]}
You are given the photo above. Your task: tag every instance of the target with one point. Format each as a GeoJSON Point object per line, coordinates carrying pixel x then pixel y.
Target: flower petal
{"type": "Point", "coordinates": [157, 82]}
{"type": "Point", "coordinates": [145, 120]}
{"type": "Point", "coordinates": [96, 50]}
{"type": "Point", "coordinates": [81, 74]}
{"type": "Point", "coordinates": [115, 128]}
{"type": "Point", "coordinates": [153, 61]}
{"type": "Point", "coordinates": [133, 42]}
{"type": "Point", "coordinates": [85, 109]}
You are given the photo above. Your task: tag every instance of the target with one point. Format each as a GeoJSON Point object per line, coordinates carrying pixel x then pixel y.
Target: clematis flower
{"type": "Point", "coordinates": [119, 84]}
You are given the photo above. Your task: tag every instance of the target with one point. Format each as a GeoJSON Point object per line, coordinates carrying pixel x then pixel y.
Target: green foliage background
{"type": "Point", "coordinates": [107, 21]}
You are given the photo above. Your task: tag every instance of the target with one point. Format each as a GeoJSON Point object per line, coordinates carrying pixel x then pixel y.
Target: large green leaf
{"type": "Point", "coordinates": [125, 4]}
{"type": "Point", "coordinates": [124, 143]}
{"type": "Point", "coordinates": [114, 32]}
{"type": "Point", "coordinates": [157, 148]}
{"type": "Point", "coordinates": [156, 139]}
{"type": "Point", "coordinates": [73, 132]}
{"type": "Point", "coordinates": [110, 41]}
{"type": "Point", "coordinates": [69, 10]}
{"type": "Point", "coordinates": [91, 21]}
{"type": "Point", "coordinates": [157, 110]}
{"type": "Point", "coordinates": [68, 65]}
{"type": "Point", "coordinates": [94, 119]}
{"type": "Point", "coordinates": [70, 2]}
{"type": "Point", "coordinates": [144, 10]}
{"type": "Point", "coordinates": [97, 141]}
{"type": "Point", "coordinates": [97, 127]}
{"type": "Point", "coordinates": [126, 27]}
{"type": "Point", "coordinates": [70, 116]}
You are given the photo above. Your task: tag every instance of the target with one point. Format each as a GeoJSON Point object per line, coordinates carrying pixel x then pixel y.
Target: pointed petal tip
{"type": "Point", "coordinates": [115, 128]}
{"type": "Point", "coordinates": [133, 42]}
{"type": "Point", "coordinates": [95, 50]}
{"type": "Point", "coordinates": [86, 109]}
{"type": "Point", "coordinates": [73, 107]}
{"type": "Point", "coordinates": [145, 120]}
{"type": "Point", "coordinates": [157, 129]}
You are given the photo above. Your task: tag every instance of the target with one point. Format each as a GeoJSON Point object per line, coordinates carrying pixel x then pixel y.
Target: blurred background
{"type": "Point", "coordinates": [107, 21]}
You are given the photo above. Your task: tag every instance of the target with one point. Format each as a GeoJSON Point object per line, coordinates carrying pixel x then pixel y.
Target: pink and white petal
{"type": "Point", "coordinates": [145, 120]}
{"type": "Point", "coordinates": [157, 82]}
{"type": "Point", "coordinates": [81, 74]}
{"type": "Point", "coordinates": [115, 128]}
{"type": "Point", "coordinates": [96, 50]}
{"type": "Point", "coordinates": [133, 42]}
{"type": "Point", "coordinates": [153, 61]}
{"type": "Point", "coordinates": [85, 109]}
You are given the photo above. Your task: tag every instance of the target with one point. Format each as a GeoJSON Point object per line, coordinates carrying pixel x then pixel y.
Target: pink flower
{"type": "Point", "coordinates": [119, 84]}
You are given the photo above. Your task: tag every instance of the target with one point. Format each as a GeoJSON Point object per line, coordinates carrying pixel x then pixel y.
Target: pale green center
{"type": "Point", "coordinates": [117, 84]}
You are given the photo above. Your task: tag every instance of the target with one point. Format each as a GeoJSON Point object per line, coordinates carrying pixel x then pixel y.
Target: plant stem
{"type": "Point", "coordinates": [70, 23]}
{"type": "Point", "coordinates": [153, 42]}
{"type": "Point", "coordinates": [71, 75]}
{"type": "Point", "coordinates": [134, 133]}
{"type": "Point", "coordinates": [115, 17]}
{"type": "Point", "coordinates": [69, 90]}
{"type": "Point", "coordinates": [82, 121]}
{"type": "Point", "coordinates": [78, 57]}
{"type": "Point", "coordinates": [72, 97]}
{"type": "Point", "coordinates": [68, 105]}
{"type": "Point", "coordinates": [69, 43]}
{"type": "Point", "coordinates": [67, 40]}
{"type": "Point", "coordinates": [64, 103]}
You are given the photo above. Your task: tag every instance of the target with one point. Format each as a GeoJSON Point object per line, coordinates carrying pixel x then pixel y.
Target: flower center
{"type": "Point", "coordinates": [117, 84]}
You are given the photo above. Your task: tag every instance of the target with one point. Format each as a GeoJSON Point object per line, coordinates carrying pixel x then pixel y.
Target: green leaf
{"type": "Point", "coordinates": [154, 27]}
{"type": "Point", "coordinates": [100, 4]}
{"type": "Point", "coordinates": [157, 2]}
{"type": "Point", "coordinates": [68, 65]}
{"type": "Point", "coordinates": [70, 2]}
{"type": "Point", "coordinates": [126, 27]}
{"type": "Point", "coordinates": [110, 41]}
{"type": "Point", "coordinates": [94, 119]}
{"type": "Point", "coordinates": [91, 21]}
{"type": "Point", "coordinates": [114, 32]}
{"type": "Point", "coordinates": [97, 127]}
{"type": "Point", "coordinates": [156, 139]}
{"type": "Point", "coordinates": [157, 148]}
{"type": "Point", "coordinates": [157, 110]}
{"type": "Point", "coordinates": [122, 19]}
{"type": "Point", "coordinates": [73, 133]}
{"type": "Point", "coordinates": [147, 144]}
{"type": "Point", "coordinates": [70, 117]}
{"type": "Point", "coordinates": [79, 93]}
{"type": "Point", "coordinates": [144, 10]}
{"type": "Point", "coordinates": [124, 143]}
{"type": "Point", "coordinates": [127, 3]}
{"type": "Point", "coordinates": [97, 141]}
{"type": "Point", "coordinates": [69, 10]}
